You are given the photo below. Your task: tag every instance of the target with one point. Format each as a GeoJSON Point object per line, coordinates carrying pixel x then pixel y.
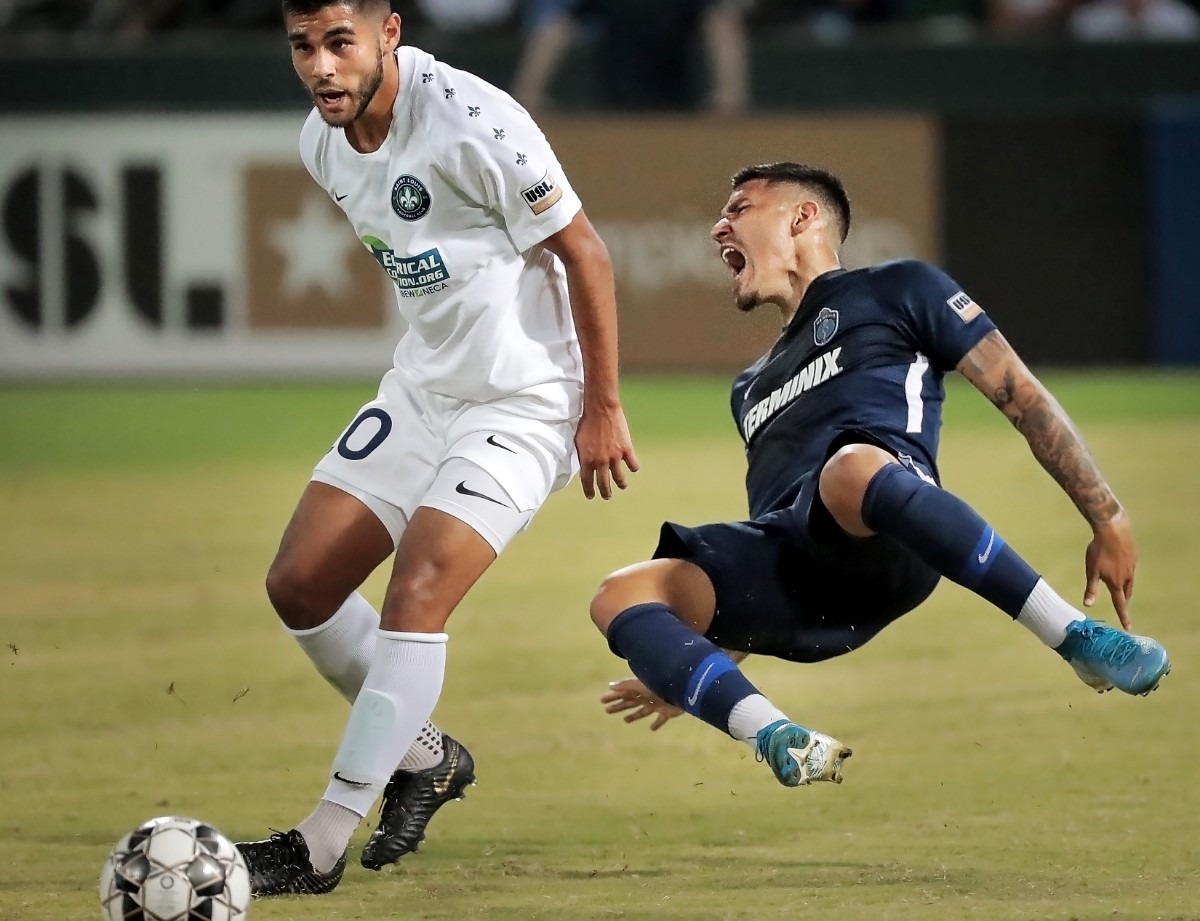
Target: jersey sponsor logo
{"type": "Point", "coordinates": [542, 194]}
{"type": "Point", "coordinates": [415, 276]}
{"type": "Point", "coordinates": [825, 326]}
{"type": "Point", "coordinates": [817, 371]}
{"type": "Point", "coordinates": [410, 198]}
{"type": "Point", "coordinates": [962, 305]}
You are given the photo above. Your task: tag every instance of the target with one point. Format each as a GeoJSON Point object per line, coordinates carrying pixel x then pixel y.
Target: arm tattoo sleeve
{"type": "Point", "coordinates": [1052, 436]}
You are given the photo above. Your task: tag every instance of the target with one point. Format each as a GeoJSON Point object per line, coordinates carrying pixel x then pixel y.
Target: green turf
{"type": "Point", "coordinates": [142, 673]}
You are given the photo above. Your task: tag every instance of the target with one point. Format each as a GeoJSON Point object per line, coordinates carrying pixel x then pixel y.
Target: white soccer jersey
{"type": "Point", "coordinates": [453, 206]}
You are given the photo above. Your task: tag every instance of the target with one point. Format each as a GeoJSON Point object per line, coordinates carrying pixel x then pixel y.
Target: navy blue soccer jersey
{"type": "Point", "coordinates": [865, 353]}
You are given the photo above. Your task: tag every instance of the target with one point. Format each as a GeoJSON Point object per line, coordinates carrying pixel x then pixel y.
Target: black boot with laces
{"type": "Point", "coordinates": [280, 865]}
{"type": "Point", "coordinates": [410, 800]}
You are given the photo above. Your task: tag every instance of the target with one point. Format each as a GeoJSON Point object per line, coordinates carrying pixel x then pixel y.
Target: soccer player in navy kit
{"type": "Point", "coordinates": [848, 526]}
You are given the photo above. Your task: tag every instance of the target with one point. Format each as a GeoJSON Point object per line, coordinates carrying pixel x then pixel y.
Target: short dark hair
{"type": "Point", "coordinates": [304, 7]}
{"type": "Point", "coordinates": [823, 182]}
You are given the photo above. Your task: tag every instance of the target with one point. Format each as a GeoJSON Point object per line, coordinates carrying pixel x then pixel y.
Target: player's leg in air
{"type": "Point", "coordinates": [867, 491]}
{"type": "Point", "coordinates": [334, 541]}
{"type": "Point", "coordinates": [656, 616]}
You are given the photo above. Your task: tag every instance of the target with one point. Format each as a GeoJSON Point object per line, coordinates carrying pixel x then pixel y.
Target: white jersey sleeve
{"type": "Point", "coordinates": [312, 137]}
{"type": "Point", "coordinates": [491, 149]}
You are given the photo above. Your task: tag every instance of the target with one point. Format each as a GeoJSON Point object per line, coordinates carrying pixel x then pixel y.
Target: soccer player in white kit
{"type": "Point", "coordinates": [493, 403]}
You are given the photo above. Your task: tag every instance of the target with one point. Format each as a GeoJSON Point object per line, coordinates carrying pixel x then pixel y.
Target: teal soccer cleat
{"type": "Point", "coordinates": [799, 756]}
{"type": "Point", "coordinates": [1105, 658]}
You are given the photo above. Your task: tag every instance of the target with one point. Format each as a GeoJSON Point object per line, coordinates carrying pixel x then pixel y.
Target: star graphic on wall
{"type": "Point", "coordinates": [313, 246]}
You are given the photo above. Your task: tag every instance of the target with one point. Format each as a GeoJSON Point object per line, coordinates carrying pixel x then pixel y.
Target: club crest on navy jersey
{"type": "Point", "coordinates": [825, 326]}
{"type": "Point", "coordinates": [410, 198]}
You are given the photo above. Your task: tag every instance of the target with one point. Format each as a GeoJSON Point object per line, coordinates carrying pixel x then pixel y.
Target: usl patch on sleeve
{"type": "Point", "coordinates": [542, 194]}
{"type": "Point", "coordinates": [966, 308]}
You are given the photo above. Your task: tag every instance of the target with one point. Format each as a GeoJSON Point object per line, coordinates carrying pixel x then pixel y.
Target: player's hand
{"type": "Point", "coordinates": [631, 695]}
{"type": "Point", "coordinates": [604, 444]}
{"type": "Point", "coordinates": [1111, 558]}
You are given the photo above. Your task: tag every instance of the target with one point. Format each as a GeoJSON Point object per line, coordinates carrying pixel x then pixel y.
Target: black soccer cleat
{"type": "Point", "coordinates": [409, 801]}
{"type": "Point", "coordinates": [280, 865]}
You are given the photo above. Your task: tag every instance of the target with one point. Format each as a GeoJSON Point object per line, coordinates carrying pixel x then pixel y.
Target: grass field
{"type": "Point", "coordinates": [142, 672]}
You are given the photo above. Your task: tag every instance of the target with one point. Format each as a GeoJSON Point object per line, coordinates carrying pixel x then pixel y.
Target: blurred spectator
{"type": "Point", "coordinates": [647, 51]}
{"type": "Point", "coordinates": [139, 18]}
{"type": "Point", "coordinates": [42, 15]}
{"type": "Point", "coordinates": [1016, 18]}
{"type": "Point", "coordinates": [1118, 20]}
{"type": "Point", "coordinates": [462, 15]}
{"type": "Point", "coordinates": [943, 21]}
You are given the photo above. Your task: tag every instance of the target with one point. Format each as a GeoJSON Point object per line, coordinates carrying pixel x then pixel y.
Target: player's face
{"type": "Point", "coordinates": [339, 56]}
{"type": "Point", "coordinates": [755, 241]}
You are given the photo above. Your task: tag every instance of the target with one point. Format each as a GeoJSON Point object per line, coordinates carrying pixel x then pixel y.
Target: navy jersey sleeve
{"type": "Point", "coordinates": [944, 321]}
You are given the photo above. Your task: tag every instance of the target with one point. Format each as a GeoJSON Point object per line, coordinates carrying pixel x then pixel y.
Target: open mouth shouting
{"type": "Point", "coordinates": [734, 259]}
{"type": "Point", "coordinates": [332, 101]}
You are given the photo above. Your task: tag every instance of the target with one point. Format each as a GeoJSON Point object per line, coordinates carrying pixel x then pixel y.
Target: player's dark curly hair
{"type": "Point", "coordinates": [827, 186]}
{"type": "Point", "coordinates": [304, 7]}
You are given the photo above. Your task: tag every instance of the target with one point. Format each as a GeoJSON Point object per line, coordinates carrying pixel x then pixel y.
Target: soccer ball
{"type": "Point", "coordinates": [174, 869]}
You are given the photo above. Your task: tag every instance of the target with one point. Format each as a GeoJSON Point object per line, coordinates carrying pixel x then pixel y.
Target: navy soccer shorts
{"type": "Point", "coordinates": [792, 584]}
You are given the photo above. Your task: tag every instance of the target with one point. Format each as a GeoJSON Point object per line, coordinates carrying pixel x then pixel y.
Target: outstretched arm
{"type": "Point", "coordinates": [999, 374]}
{"type": "Point", "coordinates": [631, 695]}
{"type": "Point", "coordinates": [603, 439]}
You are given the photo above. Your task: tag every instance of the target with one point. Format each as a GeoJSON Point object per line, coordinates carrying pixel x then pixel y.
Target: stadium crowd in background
{"type": "Point", "coordinates": [670, 54]}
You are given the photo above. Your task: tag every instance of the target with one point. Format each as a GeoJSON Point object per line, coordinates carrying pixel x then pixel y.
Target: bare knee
{"type": "Point", "coordinates": [612, 596]}
{"type": "Point", "coordinates": [417, 600]}
{"type": "Point", "coordinates": [680, 585]}
{"type": "Point", "coordinates": [300, 596]}
{"type": "Point", "coordinates": [843, 484]}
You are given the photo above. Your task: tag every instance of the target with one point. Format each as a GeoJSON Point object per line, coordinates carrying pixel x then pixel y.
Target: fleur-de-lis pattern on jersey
{"type": "Point", "coordinates": [426, 78]}
{"type": "Point", "coordinates": [450, 94]}
{"type": "Point", "coordinates": [473, 111]}
{"type": "Point", "coordinates": [522, 159]}
{"type": "Point", "coordinates": [499, 132]}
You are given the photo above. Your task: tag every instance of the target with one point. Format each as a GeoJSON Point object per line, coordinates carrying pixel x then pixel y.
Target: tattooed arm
{"type": "Point", "coordinates": [1000, 375]}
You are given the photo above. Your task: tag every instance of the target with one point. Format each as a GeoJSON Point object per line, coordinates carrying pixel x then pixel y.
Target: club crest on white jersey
{"type": "Point", "coordinates": [410, 198]}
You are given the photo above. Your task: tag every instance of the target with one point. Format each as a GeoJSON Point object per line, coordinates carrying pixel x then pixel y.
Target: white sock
{"type": "Point", "coordinates": [328, 824]}
{"type": "Point", "coordinates": [342, 647]}
{"type": "Point", "coordinates": [399, 693]}
{"type": "Point", "coordinates": [426, 750]}
{"type": "Point", "coordinates": [749, 715]}
{"type": "Point", "coordinates": [1047, 615]}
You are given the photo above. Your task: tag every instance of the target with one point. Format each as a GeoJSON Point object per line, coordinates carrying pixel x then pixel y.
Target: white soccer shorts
{"type": "Point", "coordinates": [491, 465]}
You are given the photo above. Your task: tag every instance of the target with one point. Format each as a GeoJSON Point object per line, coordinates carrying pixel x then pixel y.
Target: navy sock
{"type": "Point", "coordinates": [678, 664]}
{"type": "Point", "coordinates": [948, 535]}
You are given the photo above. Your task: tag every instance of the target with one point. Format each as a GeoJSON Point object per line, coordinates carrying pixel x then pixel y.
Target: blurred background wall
{"type": "Point", "coordinates": [155, 219]}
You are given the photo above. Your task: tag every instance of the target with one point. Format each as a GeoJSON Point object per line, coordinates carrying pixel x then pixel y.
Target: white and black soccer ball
{"type": "Point", "coordinates": [174, 869]}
